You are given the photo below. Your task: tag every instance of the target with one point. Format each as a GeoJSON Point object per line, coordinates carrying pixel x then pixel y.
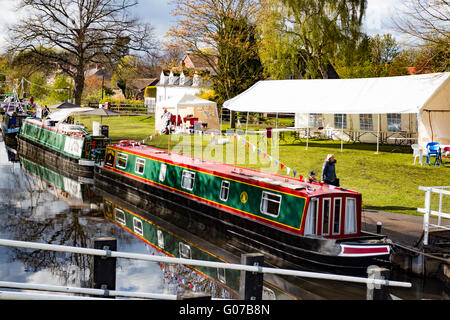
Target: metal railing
{"type": "Point", "coordinates": [192, 262]}
{"type": "Point", "coordinates": [428, 212]}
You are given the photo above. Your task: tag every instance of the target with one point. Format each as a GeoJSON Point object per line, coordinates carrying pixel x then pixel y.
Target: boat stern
{"type": "Point", "coordinates": [364, 249]}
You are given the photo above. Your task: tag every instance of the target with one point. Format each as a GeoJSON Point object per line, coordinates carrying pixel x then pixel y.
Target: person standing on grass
{"type": "Point", "coordinates": [329, 171]}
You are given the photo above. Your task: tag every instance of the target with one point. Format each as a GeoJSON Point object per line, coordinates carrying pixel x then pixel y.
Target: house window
{"type": "Point", "coordinates": [140, 166]}
{"type": "Point", "coordinates": [394, 122]}
{"type": "Point", "coordinates": [224, 190]}
{"type": "Point", "coordinates": [350, 216]}
{"type": "Point", "coordinates": [365, 122]}
{"type": "Point", "coordinates": [120, 216]}
{"type": "Point", "coordinates": [162, 172]}
{"type": "Point", "coordinates": [270, 204]}
{"type": "Point", "coordinates": [187, 180]}
{"type": "Point", "coordinates": [311, 217]}
{"type": "Point", "coordinates": [137, 226]}
{"type": "Point", "coordinates": [326, 210]}
{"type": "Point", "coordinates": [315, 120]}
{"type": "Point", "coordinates": [185, 251]}
{"type": "Point", "coordinates": [340, 121]}
{"type": "Point", "coordinates": [121, 160]}
{"type": "Point", "coordinates": [337, 216]}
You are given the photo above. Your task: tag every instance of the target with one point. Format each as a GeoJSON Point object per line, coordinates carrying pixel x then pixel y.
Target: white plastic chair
{"type": "Point", "coordinates": [418, 151]}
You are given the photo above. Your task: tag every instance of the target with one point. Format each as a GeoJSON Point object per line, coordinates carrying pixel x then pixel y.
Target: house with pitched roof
{"type": "Point", "coordinates": [192, 77]}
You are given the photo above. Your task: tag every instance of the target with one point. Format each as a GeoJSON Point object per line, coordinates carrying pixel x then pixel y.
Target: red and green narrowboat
{"type": "Point", "coordinates": [60, 144]}
{"type": "Point", "coordinates": [311, 226]}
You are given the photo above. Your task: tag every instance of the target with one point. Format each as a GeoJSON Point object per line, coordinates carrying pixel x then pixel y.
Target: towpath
{"type": "Point", "coordinates": [401, 228]}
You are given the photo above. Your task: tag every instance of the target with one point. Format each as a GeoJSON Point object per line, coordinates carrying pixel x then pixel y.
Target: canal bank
{"type": "Point", "coordinates": [408, 254]}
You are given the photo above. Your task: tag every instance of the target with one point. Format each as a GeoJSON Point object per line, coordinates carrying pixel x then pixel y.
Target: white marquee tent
{"type": "Point", "coordinates": [427, 95]}
{"type": "Point", "coordinates": [187, 104]}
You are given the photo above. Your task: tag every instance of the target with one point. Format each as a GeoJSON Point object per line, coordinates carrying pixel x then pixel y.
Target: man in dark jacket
{"type": "Point", "coordinates": [329, 171]}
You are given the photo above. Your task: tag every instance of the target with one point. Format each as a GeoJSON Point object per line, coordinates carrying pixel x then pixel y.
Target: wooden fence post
{"type": "Point", "coordinates": [251, 283]}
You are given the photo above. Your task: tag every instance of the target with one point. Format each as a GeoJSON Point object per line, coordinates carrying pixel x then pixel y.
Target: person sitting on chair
{"type": "Point", "coordinates": [312, 176]}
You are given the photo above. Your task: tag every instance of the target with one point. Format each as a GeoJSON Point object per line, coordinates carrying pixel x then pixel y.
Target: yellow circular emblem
{"type": "Point", "coordinates": [244, 197]}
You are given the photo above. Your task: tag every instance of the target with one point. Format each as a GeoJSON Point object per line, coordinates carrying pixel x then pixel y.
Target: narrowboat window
{"type": "Point", "coordinates": [311, 217]}
{"type": "Point", "coordinates": [350, 216]}
{"type": "Point", "coordinates": [109, 159]}
{"type": "Point", "coordinates": [140, 166]}
{"type": "Point", "coordinates": [121, 160]}
{"type": "Point", "coordinates": [337, 216]}
{"type": "Point", "coordinates": [137, 226]}
{"type": "Point", "coordinates": [224, 190]}
{"type": "Point", "coordinates": [120, 216]}
{"type": "Point", "coordinates": [221, 275]}
{"type": "Point", "coordinates": [187, 180]}
{"type": "Point", "coordinates": [270, 204]}
{"type": "Point", "coordinates": [160, 236]}
{"type": "Point", "coordinates": [326, 216]}
{"type": "Point", "coordinates": [162, 172]}
{"type": "Point", "coordinates": [185, 251]}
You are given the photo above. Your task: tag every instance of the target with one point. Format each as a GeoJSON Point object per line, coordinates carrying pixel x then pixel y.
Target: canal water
{"type": "Point", "coordinates": [40, 205]}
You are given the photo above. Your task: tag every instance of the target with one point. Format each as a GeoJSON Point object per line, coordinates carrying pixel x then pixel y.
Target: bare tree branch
{"type": "Point", "coordinates": [80, 32]}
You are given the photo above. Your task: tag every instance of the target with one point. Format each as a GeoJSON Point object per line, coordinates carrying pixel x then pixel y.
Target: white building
{"type": "Point", "coordinates": [173, 85]}
{"type": "Point", "coordinates": [176, 85]}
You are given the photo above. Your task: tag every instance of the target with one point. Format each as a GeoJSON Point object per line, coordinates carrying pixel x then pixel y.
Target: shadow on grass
{"type": "Point", "coordinates": [410, 210]}
{"type": "Point", "coordinates": [350, 146]}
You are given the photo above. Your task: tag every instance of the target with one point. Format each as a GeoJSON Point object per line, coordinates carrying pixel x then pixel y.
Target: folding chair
{"type": "Point", "coordinates": [433, 150]}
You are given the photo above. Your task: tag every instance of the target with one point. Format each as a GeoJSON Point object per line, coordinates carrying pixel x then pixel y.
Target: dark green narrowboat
{"type": "Point", "coordinates": [61, 144]}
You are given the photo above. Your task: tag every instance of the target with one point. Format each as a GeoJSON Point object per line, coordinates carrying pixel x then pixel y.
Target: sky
{"type": "Point", "coordinates": [158, 13]}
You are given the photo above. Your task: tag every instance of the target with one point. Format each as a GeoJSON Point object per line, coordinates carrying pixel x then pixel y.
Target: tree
{"type": "Point", "coordinates": [384, 49]}
{"type": "Point", "coordinates": [223, 34]}
{"type": "Point", "coordinates": [59, 93]}
{"type": "Point", "coordinates": [76, 33]}
{"type": "Point", "coordinates": [378, 56]}
{"type": "Point", "coordinates": [427, 23]}
{"type": "Point", "coordinates": [125, 71]}
{"type": "Point", "coordinates": [304, 36]}
{"type": "Point", "coordinates": [38, 91]}
{"type": "Point", "coordinates": [238, 63]}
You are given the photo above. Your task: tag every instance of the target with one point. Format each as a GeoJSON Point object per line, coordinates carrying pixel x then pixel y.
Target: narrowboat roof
{"type": "Point", "coordinates": [63, 114]}
{"type": "Point", "coordinates": [287, 184]}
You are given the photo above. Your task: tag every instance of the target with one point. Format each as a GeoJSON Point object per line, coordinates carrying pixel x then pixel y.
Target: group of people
{"type": "Point", "coordinates": [328, 172]}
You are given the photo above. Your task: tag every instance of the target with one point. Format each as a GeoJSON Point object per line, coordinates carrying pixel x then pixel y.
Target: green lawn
{"type": "Point", "coordinates": [388, 181]}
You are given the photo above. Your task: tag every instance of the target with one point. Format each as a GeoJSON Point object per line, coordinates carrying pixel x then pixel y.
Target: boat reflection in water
{"type": "Point", "coordinates": [176, 242]}
{"type": "Point", "coordinates": [72, 213]}
{"type": "Point", "coordinates": [76, 192]}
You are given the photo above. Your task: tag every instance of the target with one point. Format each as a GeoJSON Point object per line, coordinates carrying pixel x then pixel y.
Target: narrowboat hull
{"type": "Point", "coordinates": [53, 159]}
{"type": "Point", "coordinates": [281, 248]}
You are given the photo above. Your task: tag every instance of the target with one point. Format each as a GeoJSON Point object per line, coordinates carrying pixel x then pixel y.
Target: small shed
{"type": "Point", "coordinates": [188, 106]}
